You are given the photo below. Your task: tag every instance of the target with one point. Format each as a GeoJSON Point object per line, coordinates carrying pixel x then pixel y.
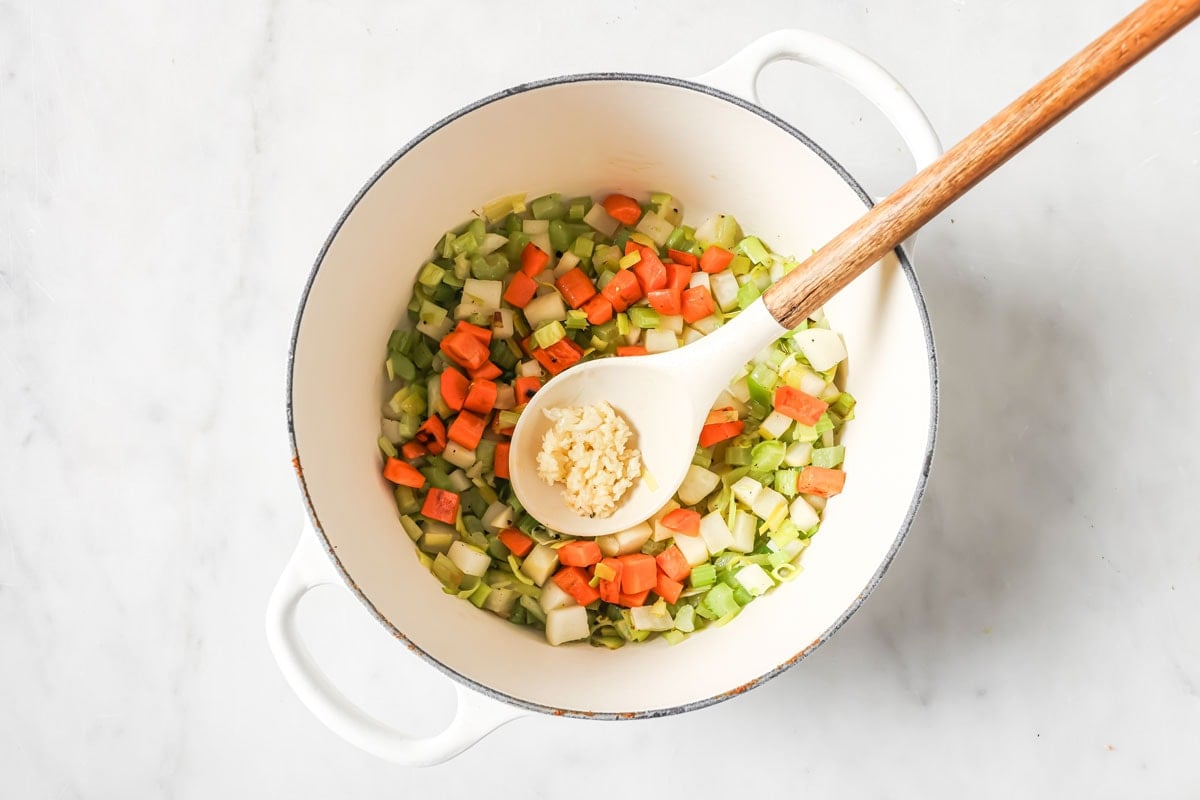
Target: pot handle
{"type": "Point", "coordinates": [476, 716]}
{"type": "Point", "coordinates": [739, 76]}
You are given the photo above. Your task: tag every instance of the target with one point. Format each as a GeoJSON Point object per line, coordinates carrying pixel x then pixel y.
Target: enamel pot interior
{"type": "Point", "coordinates": [593, 135]}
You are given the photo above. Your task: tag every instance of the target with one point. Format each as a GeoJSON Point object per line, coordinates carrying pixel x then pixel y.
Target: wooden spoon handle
{"type": "Point", "coordinates": [932, 189]}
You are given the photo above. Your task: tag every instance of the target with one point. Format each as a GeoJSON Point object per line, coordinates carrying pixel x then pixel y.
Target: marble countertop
{"type": "Point", "coordinates": [168, 173]}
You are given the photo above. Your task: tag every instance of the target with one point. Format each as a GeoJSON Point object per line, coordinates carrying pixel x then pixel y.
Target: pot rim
{"type": "Point", "coordinates": [901, 534]}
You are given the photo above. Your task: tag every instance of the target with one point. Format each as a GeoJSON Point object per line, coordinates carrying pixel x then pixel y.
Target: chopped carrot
{"type": "Point", "coordinates": [533, 260]}
{"type": "Point", "coordinates": [581, 553]}
{"type": "Point", "coordinates": [632, 350]}
{"type": "Point", "coordinates": [488, 372]}
{"type": "Point", "coordinates": [484, 335]}
{"type": "Point", "coordinates": [722, 414]}
{"type": "Point", "coordinates": [697, 304]}
{"type": "Point", "coordinates": [501, 461]}
{"type": "Point", "coordinates": [453, 385]}
{"type": "Point", "coordinates": [631, 246]}
{"type": "Point", "coordinates": [610, 591]}
{"type": "Point", "coordinates": [464, 349]}
{"type": "Point", "coordinates": [599, 310]}
{"type": "Point", "coordinates": [574, 581]}
{"type": "Point", "coordinates": [678, 276]}
{"type": "Point", "coordinates": [402, 473]}
{"type": "Point", "coordinates": [665, 301]}
{"type": "Point", "coordinates": [432, 434]}
{"type": "Point", "coordinates": [521, 289]}
{"type": "Point", "coordinates": [575, 287]}
{"type": "Point", "coordinates": [821, 481]}
{"type": "Point", "coordinates": [623, 209]}
{"type": "Point", "coordinates": [668, 588]}
{"type": "Point", "coordinates": [798, 405]}
{"type": "Point", "coordinates": [711, 434]}
{"type": "Point", "coordinates": [623, 290]}
{"type": "Point", "coordinates": [673, 563]}
{"type": "Point", "coordinates": [413, 450]}
{"type": "Point", "coordinates": [517, 543]}
{"type": "Point", "coordinates": [525, 387]}
{"type": "Point", "coordinates": [441, 505]}
{"type": "Point", "coordinates": [638, 573]}
{"type": "Point", "coordinates": [680, 257]}
{"type": "Point", "coordinates": [650, 272]}
{"type": "Point", "coordinates": [559, 355]}
{"type": "Point", "coordinates": [633, 600]}
{"type": "Point", "coordinates": [467, 429]}
{"type": "Point", "coordinates": [481, 397]}
{"type": "Point", "coordinates": [683, 520]}
{"type": "Point", "coordinates": [715, 259]}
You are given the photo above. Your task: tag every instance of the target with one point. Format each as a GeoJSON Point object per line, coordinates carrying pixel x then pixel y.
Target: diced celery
{"type": "Point", "coordinates": [407, 503]}
{"type": "Point", "coordinates": [720, 601]}
{"type": "Point", "coordinates": [747, 294]}
{"type": "Point", "coordinates": [768, 454]}
{"type": "Point", "coordinates": [737, 456]}
{"type": "Point", "coordinates": [431, 275]}
{"type": "Point", "coordinates": [785, 482]}
{"type": "Point", "coordinates": [576, 320]}
{"type": "Point", "coordinates": [623, 324]}
{"type": "Point", "coordinates": [630, 259]}
{"type": "Point", "coordinates": [828, 457]}
{"type": "Point", "coordinates": [643, 317]}
{"type": "Point", "coordinates": [387, 448]}
{"type": "Point", "coordinates": [549, 333]}
{"type": "Point", "coordinates": [577, 208]}
{"type": "Point", "coordinates": [740, 265]}
{"type": "Point", "coordinates": [824, 424]}
{"type": "Point", "coordinates": [548, 207]}
{"type": "Point", "coordinates": [399, 366]}
{"type": "Point", "coordinates": [445, 571]}
{"type": "Point", "coordinates": [703, 575]}
{"type": "Point", "coordinates": [761, 383]}
{"type": "Point", "coordinates": [754, 248]}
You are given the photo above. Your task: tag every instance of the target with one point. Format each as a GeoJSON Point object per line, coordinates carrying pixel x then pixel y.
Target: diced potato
{"type": "Point", "coordinates": [744, 525]}
{"type": "Point", "coordinates": [652, 618]}
{"type": "Point", "coordinates": [798, 454]}
{"type": "Point", "coordinates": [693, 549]}
{"type": "Point", "coordinates": [540, 564]}
{"type": "Point", "coordinates": [803, 515]}
{"type": "Point", "coordinates": [554, 597]}
{"type": "Point", "coordinates": [486, 294]}
{"type": "Point", "coordinates": [823, 348]}
{"type": "Point", "coordinates": [600, 221]}
{"type": "Point", "coordinates": [501, 601]}
{"type": "Point", "coordinates": [502, 324]}
{"type": "Point", "coordinates": [624, 542]}
{"type": "Point", "coordinates": [724, 290]}
{"type": "Point", "coordinates": [714, 532]}
{"type": "Point", "coordinates": [697, 484]}
{"type": "Point", "coordinates": [458, 455]}
{"type": "Point", "coordinates": [468, 559]}
{"type": "Point", "coordinates": [707, 325]}
{"type": "Point", "coordinates": [660, 341]}
{"type": "Point", "coordinates": [754, 579]}
{"type": "Point", "coordinates": [775, 425]}
{"type": "Point", "coordinates": [746, 490]}
{"type": "Point", "coordinates": [566, 625]}
{"type": "Point", "coordinates": [672, 323]}
{"type": "Point", "coordinates": [699, 278]}
{"type": "Point", "coordinates": [547, 308]}
{"type": "Point", "coordinates": [691, 335]}
{"type": "Point", "coordinates": [768, 503]}
{"type": "Point", "coordinates": [498, 516]}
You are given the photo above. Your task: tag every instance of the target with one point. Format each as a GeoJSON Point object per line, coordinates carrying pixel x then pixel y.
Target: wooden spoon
{"type": "Point", "coordinates": [666, 397]}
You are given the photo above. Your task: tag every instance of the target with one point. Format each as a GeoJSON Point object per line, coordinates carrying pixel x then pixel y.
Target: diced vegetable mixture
{"type": "Point", "coordinates": [525, 291]}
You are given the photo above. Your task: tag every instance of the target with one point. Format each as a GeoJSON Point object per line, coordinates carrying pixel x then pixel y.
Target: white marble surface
{"type": "Point", "coordinates": [167, 173]}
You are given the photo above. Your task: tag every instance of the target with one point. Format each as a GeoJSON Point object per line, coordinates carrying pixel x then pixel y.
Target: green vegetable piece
{"type": "Point", "coordinates": [549, 333]}
{"type": "Point", "coordinates": [644, 317]}
{"type": "Point", "coordinates": [828, 457]}
{"type": "Point", "coordinates": [747, 293]}
{"type": "Point", "coordinates": [720, 601]}
{"type": "Point", "coordinates": [407, 503]}
{"type": "Point", "coordinates": [703, 575]}
{"type": "Point", "coordinates": [768, 455]}
{"type": "Point", "coordinates": [431, 275]}
{"type": "Point", "coordinates": [548, 206]}
{"type": "Point", "coordinates": [754, 248]}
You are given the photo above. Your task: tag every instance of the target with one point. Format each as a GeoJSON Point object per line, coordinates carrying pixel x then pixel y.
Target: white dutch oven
{"type": "Point", "coordinates": [709, 143]}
